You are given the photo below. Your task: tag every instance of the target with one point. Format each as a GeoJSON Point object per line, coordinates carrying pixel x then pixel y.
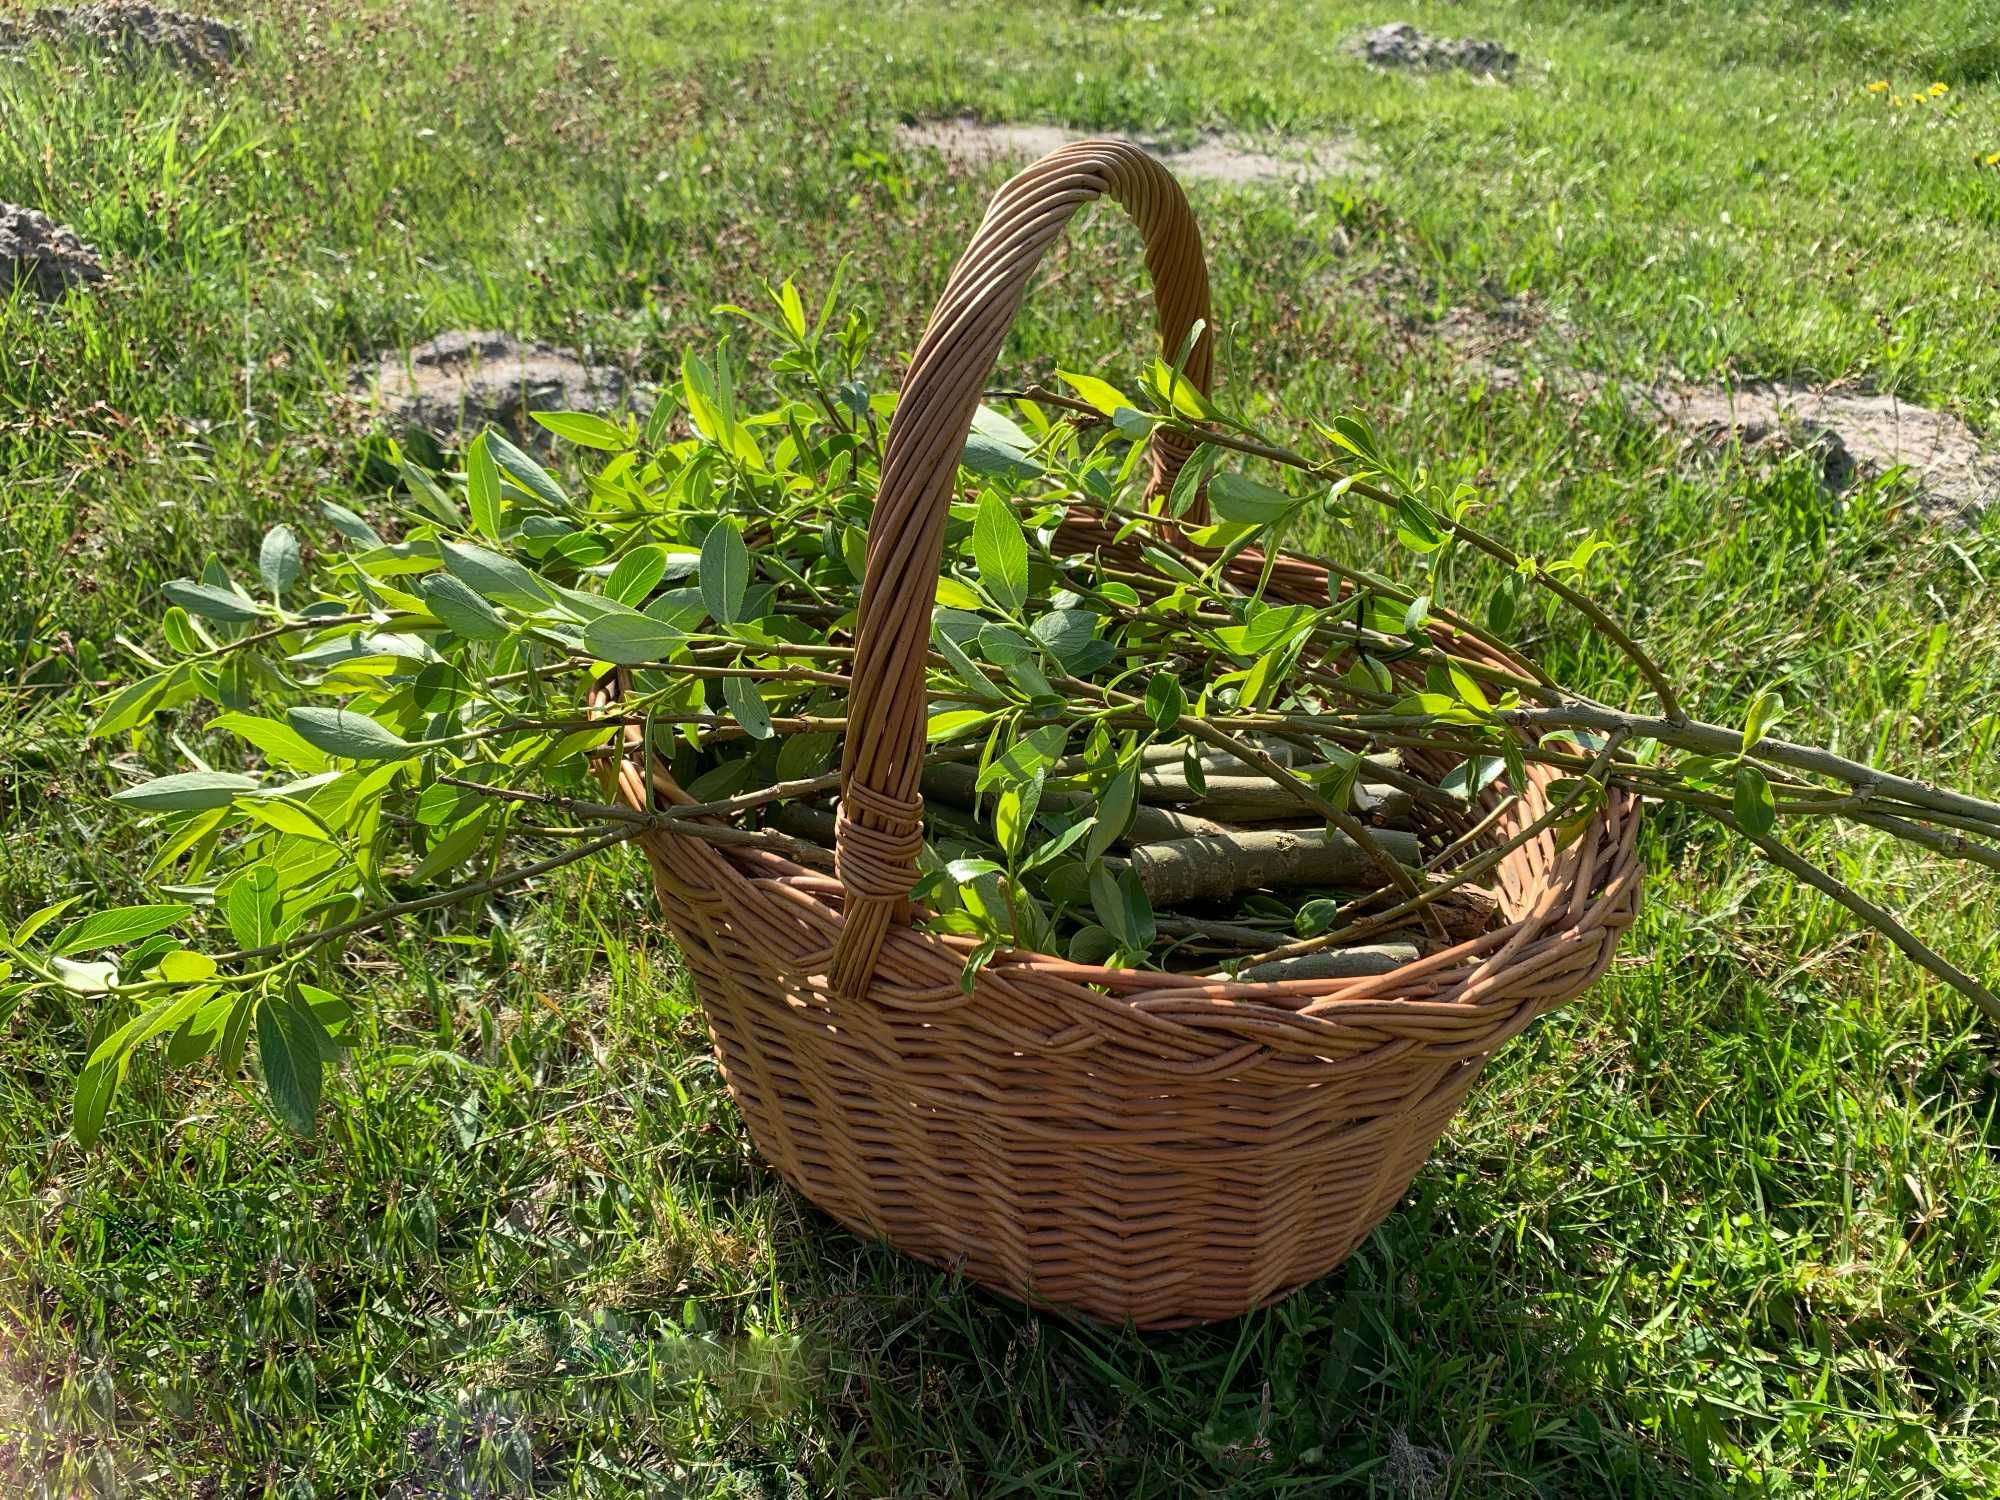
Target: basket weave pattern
{"type": "Point", "coordinates": [1139, 1146]}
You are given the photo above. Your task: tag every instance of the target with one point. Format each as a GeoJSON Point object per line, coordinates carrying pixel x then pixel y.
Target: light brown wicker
{"type": "Point", "coordinates": [1146, 1147]}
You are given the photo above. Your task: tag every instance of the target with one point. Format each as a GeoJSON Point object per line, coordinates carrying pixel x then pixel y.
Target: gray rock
{"type": "Point", "coordinates": [461, 381]}
{"type": "Point", "coordinates": [131, 31]}
{"type": "Point", "coordinates": [1401, 45]}
{"type": "Point", "coordinates": [47, 256]}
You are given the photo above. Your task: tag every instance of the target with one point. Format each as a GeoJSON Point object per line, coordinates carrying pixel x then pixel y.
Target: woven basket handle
{"type": "Point", "coordinates": [880, 826]}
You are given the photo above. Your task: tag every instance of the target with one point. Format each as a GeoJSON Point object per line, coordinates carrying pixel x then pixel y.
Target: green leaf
{"type": "Point", "coordinates": [1467, 687]}
{"type": "Point", "coordinates": [163, 1015]}
{"type": "Point", "coordinates": [453, 601]}
{"type": "Point", "coordinates": [638, 573]}
{"type": "Point", "coordinates": [631, 639]}
{"type": "Point", "coordinates": [136, 702]}
{"type": "Point", "coordinates": [1133, 423]}
{"type": "Point", "coordinates": [955, 595]}
{"type": "Point", "coordinates": [251, 904]}
{"type": "Point", "coordinates": [278, 559]}
{"type": "Point", "coordinates": [1003, 647]}
{"type": "Point", "coordinates": [1239, 498]}
{"type": "Point", "coordinates": [1000, 549]}
{"type": "Point", "coordinates": [1071, 638]}
{"type": "Point", "coordinates": [1500, 610]}
{"type": "Point", "coordinates": [185, 966]}
{"type": "Point", "coordinates": [1180, 392]}
{"type": "Point", "coordinates": [1166, 700]}
{"type": "Point", "coordinates": [482, 488]}
{"type": "Point", "coordinates": [1355, 435]}
{"type": "Point", "coordinates": [966, 669]}
{"type": "Point", "coordinates": [698, 391]}
{"type": "Point", "coordinates": [525, 472]}
{"type": "Point", "coordinates": [114, 928]}
{"type": "Point", "coordinates": [747, 706]}
{"type": "Point", "coordinates": [350, 525]}
{"type": "Point", "coordinates": [453, 849]}
{"type": "Point", "coordinates": [288, 1048]}
{"type": "Point", "coordinates": [211, 601]}
{"type": "Point", "coordinates": [1195, 773]}
{"type": "Point", "coordinates": [1101, 394]}
{"type": "Point", "coordinates": [1765, 710]}
{"type": "Point", "coordinates": [997, 448]}
{"type": "Point", "coordinates": [85, 978]}
{"type": "Point", "coordinates": [1316, 917]}
{"type": "Point", "coordinates": [494, 577]}
{"type": "Point", "coordinates": [725, 572]}
{"type": "Point", "coordinates": [680, 608]}
{"type": "Point", "coordinates": [1114, 813]}
{"type": "Point", "coordinates": [1026, 758]}
{"type": "Point", "coordinates": [1756, 809]}
{"type": "Point", "coordinates": [1014, 814]}
{"type": "Point", "coordinates": [94, 1088]}
{"type": "Point", "coordinates": [1120, 904]}
{"type": "Point", "coordinates": [1473, 775]}
{"type": "Point", "coordinates": [585, 430]}
{"type": "Point", "coordinates": [186, 792]}
{"type": "Point", "coordinates": [1419, 529]}
{"type": "Point", "coordinates": [333, 1012]}
{"type": "Point", "coordinates": [1193, 475]}
{"type": "Point", "coordinates": [281, 744]}
{"type": "Point", "coordinates": [344, 732]}
{"type": "Point", "coordinates": [35, 921]}
{"type": "Point", "coordinates": [1092, 945]}
{"type": "Point", "coordinates": [955, 723]}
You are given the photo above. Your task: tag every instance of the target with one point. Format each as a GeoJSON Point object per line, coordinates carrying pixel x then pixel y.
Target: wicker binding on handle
{"type": "Point", "coordinates": [880, 827]}
{"type": "Point", "coordinates": [1138, 1146]}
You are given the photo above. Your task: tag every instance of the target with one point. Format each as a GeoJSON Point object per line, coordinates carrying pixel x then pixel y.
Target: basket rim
{"type": "Point", "coordinates": [1597, 860]}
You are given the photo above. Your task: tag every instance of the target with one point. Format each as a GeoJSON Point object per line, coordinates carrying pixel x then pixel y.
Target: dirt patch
{"type": "Point", "coordinates": [1853, 435]}
{"type": "Point", "coordinates": [48, 257]}
{"type": "Point", "coordinates": [131, 32]}
{"type": "Point", "coordinates": [1401, 45]}
{"type": "Point", "coordinates": [1856, 434]}
{"type": "Point", "coordinates": [459, 382]}
{"type": "Point", "coordinates": [968, 142]}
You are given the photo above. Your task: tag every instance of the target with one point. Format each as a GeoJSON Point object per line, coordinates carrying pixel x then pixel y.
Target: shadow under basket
{"type": "Point", "coordinates": [1138, 1146]}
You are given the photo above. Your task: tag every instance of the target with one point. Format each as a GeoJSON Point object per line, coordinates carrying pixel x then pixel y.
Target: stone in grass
{"type": "Point", "coordinates": [459, 382]}
{"type": "Point", "coordinates": [49, 258]}
{"type": "Point", "coordinates": [1401, 45]}
{"type": "Point", "coordinates": [131, 31]}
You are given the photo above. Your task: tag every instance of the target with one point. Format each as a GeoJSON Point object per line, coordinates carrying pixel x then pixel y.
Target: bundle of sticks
{"type": "Point", "coordinates": [1229, 860]}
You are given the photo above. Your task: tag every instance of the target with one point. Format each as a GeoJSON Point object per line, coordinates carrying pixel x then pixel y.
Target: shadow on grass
{"type": "Point", "coordinates": [1428, 1365]}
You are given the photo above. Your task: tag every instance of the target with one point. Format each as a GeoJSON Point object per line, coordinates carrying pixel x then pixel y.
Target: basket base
{"type": "Point", "coordinates": [1159, 1239]}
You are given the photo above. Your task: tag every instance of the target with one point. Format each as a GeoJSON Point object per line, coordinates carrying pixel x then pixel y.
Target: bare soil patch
{"type": "Point", "coordinates": [48, 257]}
{"type": "Point", "coordinates": [1401, 45]}
{"type": "Point", "coordinates": [1856, 433]}
{"type": "Point", "coordinates": [461, 381]}
{"type": "Point", "coordinates": [131, 32]}
{"type": "Point", "coordinates": [968, 142]}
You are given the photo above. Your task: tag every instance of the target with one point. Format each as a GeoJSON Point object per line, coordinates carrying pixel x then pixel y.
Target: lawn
{"type": "Point", "coordinates": [1724, 1225]}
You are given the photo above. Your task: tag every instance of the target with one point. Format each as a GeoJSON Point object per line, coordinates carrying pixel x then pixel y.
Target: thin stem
{"type": "Point", "coordinates": [1914, 947]}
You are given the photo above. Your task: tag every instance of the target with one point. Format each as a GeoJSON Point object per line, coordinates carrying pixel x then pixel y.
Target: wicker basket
{"type": "Point", "coordinates": [1144, 1147]}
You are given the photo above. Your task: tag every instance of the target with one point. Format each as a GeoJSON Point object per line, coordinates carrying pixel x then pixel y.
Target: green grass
{"type": "Point", "coordinates": [1723, 1226]}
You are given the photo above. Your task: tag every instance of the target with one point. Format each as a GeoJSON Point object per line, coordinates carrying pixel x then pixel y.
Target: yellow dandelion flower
{"type": "Point", "coordinates": [1993, 160]}
{"type": "Point", "coordinates": [1939, 90]}
{"type": "Point", "coordinates": [1880, 86]}
{"type": "Point", "coordinates": [1895, 101]}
